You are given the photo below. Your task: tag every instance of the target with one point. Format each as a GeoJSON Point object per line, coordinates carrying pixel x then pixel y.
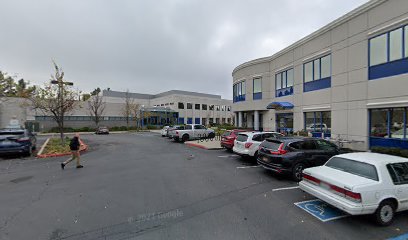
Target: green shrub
{"type": "Point", "coordinates": [391, 151]}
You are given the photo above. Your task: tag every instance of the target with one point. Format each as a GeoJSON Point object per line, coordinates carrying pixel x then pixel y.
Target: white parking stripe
{"type": "Point", "coordinates": [285, 188]}
{"type": "Point", "coordinates": [248, 167]}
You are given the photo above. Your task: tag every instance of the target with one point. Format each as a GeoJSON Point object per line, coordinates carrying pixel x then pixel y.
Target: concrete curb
{"type": "Point", "coordinates": [82, 148]}
{"type": "Point", "coordinates": [202, 146]}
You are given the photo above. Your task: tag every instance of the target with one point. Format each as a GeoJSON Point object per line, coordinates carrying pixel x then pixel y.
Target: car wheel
{"type": "Point", "coordinates": [29, 152]}
{"type": "Point", "coordinates": [297, 171]}
{"type": "Point", "coordinates": [211, 135]}
{"type": "Point", "coordinates": [185, 138]}
{"type": "Point", "coordinates": [384, 215]}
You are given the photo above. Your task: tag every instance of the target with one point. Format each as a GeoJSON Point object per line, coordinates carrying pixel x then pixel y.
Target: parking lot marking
{"type": "Point", "coordinates": [228, 156]}
{"type": "Point", "coordinates": [285, 188]}
{"type": "Point", "coordinates": [401, 237]}
{"type": "Point", "coordinates": [321, 210]}
{"type": "Point", "coordinates": [248, 167]}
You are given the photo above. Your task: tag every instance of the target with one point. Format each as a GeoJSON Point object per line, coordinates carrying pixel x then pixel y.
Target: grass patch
{"type": "Point", "coordinates": [54, 146]}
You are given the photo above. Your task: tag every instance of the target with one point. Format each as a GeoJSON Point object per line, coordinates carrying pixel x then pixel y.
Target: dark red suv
{"type": "Point", "coordinates": [228, 137]}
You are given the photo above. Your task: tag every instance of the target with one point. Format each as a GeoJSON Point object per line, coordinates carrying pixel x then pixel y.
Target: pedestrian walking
{"type": "Point", "coordinates": [74, 146]}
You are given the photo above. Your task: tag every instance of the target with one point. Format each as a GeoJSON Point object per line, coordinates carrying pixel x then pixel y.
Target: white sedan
{"type": "Point", "coordinates": [164, 131]}
{"type": "Point", "coordinates": [361, 183]}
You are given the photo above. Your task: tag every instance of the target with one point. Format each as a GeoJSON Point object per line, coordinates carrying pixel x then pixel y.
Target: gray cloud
{"type": "Point", "coordinates": [153, 46]}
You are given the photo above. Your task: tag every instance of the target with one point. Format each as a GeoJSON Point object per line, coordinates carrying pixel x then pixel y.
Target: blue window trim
{"type": "Point", "coordinates": [256, 95]}
{"type": "Point", "coordinates": [236, 97]}
{"type": "Point", "coordinates": [390, 68]}
{"type": "Point", "coordinates": [181, 120]}
{"type": "Point", "coordinates": [316, 132]}
{"type": "Point", "coordinates": [197, 120]}
{"type": "Point", "coordinates": [387, 141]}
{"type": "Point", "coordinates": [317, 84]}
{"type": "Point", "coordinates": [189, 120]}
{"type": "Point", "coordinates": [285, 90]}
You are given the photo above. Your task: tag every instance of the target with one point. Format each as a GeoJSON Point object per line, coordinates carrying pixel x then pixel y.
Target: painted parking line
{"type": "Point", "coordinates": [257, 166]}
{"type": "Point", "coordinates": [228, 156]}
{"type": "Point", "coordinates": [285, 188]}
{"type": "Point", "coordinates": [321, 210]}
{"type": "Point", "coordinates": [401, 237]}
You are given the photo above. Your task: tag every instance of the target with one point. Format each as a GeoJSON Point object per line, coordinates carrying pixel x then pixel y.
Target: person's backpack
{"type": "Point", "coordinates": [72, 144]}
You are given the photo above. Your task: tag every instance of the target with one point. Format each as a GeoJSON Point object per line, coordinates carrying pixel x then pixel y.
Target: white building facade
{"type": "Point", "coordinates": [347, 80]}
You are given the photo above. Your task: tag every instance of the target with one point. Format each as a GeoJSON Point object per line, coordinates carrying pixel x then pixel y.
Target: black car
{"type": "Point", "coordinates": [17, 141]}
{"type": "Point", "coordinates": [291, 155]}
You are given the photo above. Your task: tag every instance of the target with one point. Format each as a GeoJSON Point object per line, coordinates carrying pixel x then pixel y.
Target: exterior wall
{"type": "Point", "coordinates": [351, 93]}
{"type": "Point", "coordinates": [114, 102]}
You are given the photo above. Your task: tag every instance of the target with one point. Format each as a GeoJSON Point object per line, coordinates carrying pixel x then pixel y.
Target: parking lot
{"type": "Point", "coordinates": [143, 186]}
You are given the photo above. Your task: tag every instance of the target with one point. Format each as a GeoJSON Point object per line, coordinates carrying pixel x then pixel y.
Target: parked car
{"type": "Point", "coordinates": [361, 183]}
{"type": "Point", "coordinates": [247, 143]}
{"type": "Point", "coordinates": [193, 131]}
{"type": "Point", "coordinates": [17, 141]}
{"type": "Point", "coordinates": [399, 133]}
{"type": "Point", "coordinates": [165, 131]}
{"type": "Point", "coordinates": [102, 130]}
{"type": "Point", "coordinates": [317, 127]}
{"type": "Point", "coordinates": [290, 155]}
{"type": "Point", "coordinates": [228, 138]}
{"type": "Point", "coordinates": [172, 131]}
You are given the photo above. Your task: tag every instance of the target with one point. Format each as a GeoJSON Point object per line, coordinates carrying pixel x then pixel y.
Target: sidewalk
{"type": "Point", "coordinates": [208, 144]}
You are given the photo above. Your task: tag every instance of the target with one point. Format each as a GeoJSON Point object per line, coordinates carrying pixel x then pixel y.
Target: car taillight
{"type": "Point", "coordinates": [23, 139]}
{"type": "Point", "coordinates": [176, 132]}
{"type": "Point", "coordinates": [311, 179]}
{"type": "Point", "coordinates": [280, 150]}
{"type": "Point", "coordinates": [229, 138]}
{"type": "Point", "coordinates": [248, 145]}
{"type": "Point", "coordinates": [352, 196]}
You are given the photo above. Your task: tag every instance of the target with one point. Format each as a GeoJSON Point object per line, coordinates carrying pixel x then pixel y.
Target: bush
{"type": "Point", "coordinates": [54, 146]}
{"type": "Point", "coordinates": [391, 151]}
{"type": "Point", "coordinates": [151, 127]}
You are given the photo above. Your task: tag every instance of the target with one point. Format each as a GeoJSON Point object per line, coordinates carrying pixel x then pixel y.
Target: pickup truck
{"type": "Point", "coordinates": [192, 132]}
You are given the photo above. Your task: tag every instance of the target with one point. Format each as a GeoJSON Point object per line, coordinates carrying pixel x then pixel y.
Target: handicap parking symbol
{"type": "Point", "coordinates": [321, 210]}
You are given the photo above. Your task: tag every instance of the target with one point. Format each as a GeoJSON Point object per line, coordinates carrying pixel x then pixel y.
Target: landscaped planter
{"type": "Point", "coordinates": [82, 148]}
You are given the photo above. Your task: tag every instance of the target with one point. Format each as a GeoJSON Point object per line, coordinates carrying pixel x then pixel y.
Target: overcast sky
{"type": "Point", "coordinates": [153, 46]}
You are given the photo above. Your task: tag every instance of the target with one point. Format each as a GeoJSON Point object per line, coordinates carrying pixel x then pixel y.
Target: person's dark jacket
{"type": "Point", "coordinates": [74, 144]}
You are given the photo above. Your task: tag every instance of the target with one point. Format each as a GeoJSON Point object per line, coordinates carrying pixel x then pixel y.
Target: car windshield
{"type": "Point", "coordinates": [226, 134]}
{"type": "Point", "coordinates": [354, 167]}
{"type": "Point", "coordinates": [271, 144]}
{"type": "Point", "coordinates": [11, 132]}
{"type": "Point", "coordinates": [242, 137]}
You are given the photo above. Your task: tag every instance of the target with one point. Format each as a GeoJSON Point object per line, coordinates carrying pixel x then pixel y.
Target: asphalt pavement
{"type": "Point", "coordinates": [143, 186]}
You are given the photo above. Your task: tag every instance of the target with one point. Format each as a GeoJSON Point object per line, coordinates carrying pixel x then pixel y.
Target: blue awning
{"type": "Point", "coordinates": [280, 105]}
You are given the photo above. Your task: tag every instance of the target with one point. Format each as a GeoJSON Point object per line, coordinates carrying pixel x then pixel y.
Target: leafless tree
{"type": "Point", "coordinates": [127, 108]}
{"type": "Point", "coordinates": [96, 108]}
{"type": "Point", "coordinates": [55, 99]}
{"type": "Point", "coordinates": [135, 112]}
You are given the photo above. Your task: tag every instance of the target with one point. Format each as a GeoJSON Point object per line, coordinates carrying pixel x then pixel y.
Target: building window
{"type": "Point", "coordinates": [318, 123]}
{"type": "Point", "coordinates": [189, 120]}
{"type": "Point", "coordinates": [217, 121]}
{"type": "Point", "coordinates": [388, 54]}
{"type": "Point", "coordinates": [317, 74]}
{"type": "Point", "coordinates": [204, 106]}
{"type": "Point", "coordinates": [388, 127]}
{"type": "Point", "coordinates": [197, 107]}
{"type": "Point", "coordinates": [229, 108]}
{"type": "Point", "coordinates": [239, 90]}
{"type": "Point", "coordinates": [180, 105]}
{"type": "Point", "coordinates": [223, 108]}
{"type": "Point", "coordinates": [396, 51]}
{"type": "Point", "coordinates": [223, 121]}
{"type": "Point", "coordinates": [284, 83]}
{"type": "Point", "coordinates": [197, 120]}
{"type": "Point", "coordinates": [212, 107]}
{"type": "Point", "coordinates": [217, 107]}
{"type": "Point", "coordinates": [257, 93]}
{"type": "Point", "coordinates": [211, 120]}
{"type": "Point", "coordinates": [204, 121]}
{"type": "Point", "coordinates": [172, 103]}
{"type": "Point", "coordinates": [189, 106]}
